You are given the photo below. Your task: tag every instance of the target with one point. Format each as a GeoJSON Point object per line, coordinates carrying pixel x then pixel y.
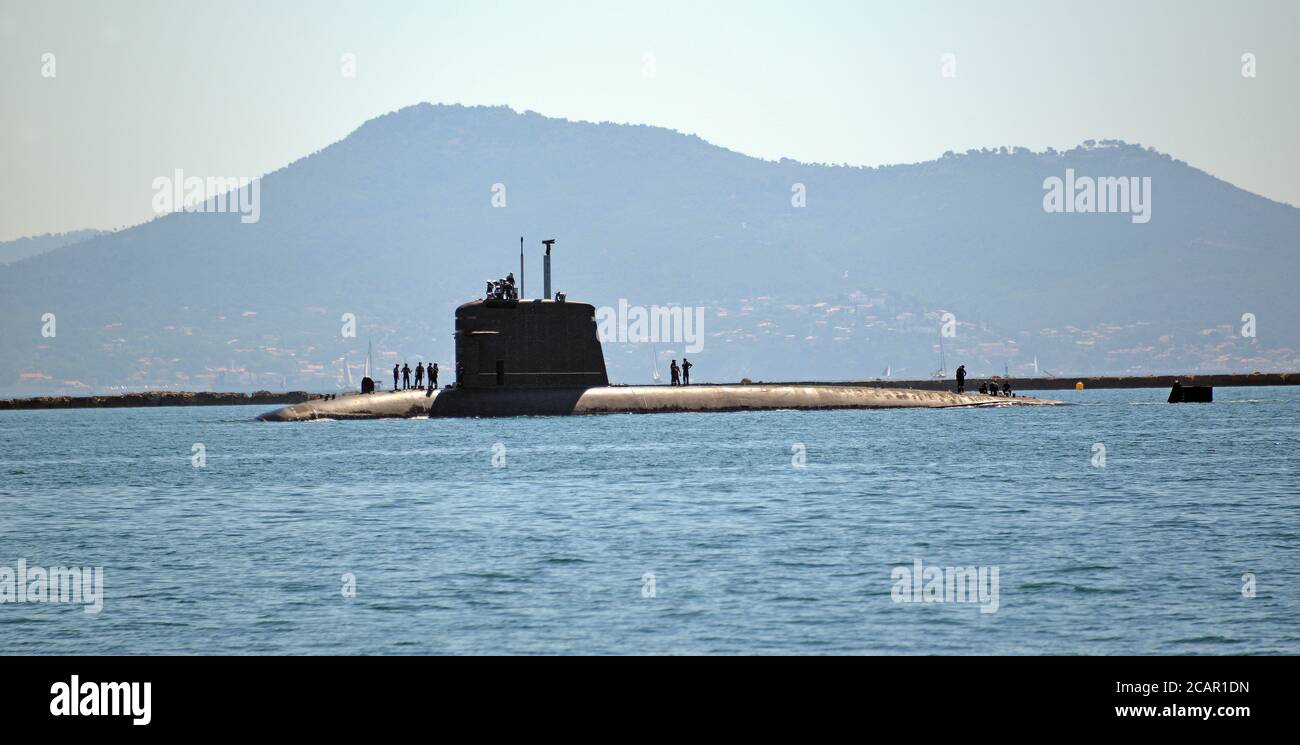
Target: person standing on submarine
{"type": "Point", "coordinates": [686, 371]}
{"type": "Point", "coordinates": [433, 375]}
{"type": "Point", "coordinates": [674, 373]}
{"type": "Point", "coordinates": [961, 378]}
{"type": "Point", "coordinates": [419, 375]}
{"type": "Point", "coordinates": [406, 376]}
{"type": "Point", "coordinates": [396, 370]}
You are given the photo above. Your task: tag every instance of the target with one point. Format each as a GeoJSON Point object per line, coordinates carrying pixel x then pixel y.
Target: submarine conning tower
{"type": "Point", "coordinates": [528, 344]}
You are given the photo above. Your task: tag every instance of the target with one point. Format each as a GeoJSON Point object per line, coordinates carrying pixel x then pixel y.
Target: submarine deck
{"type": "Point", "coordinates": [454, 402]}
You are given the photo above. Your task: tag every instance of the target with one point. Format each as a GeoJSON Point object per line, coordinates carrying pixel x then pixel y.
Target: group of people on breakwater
{"type": "Point", "coordinates": [989, 388]}
{"type": "Point", "coordinates": [680, 375]}
{"type": "Point", "coordinates": [404, 372]}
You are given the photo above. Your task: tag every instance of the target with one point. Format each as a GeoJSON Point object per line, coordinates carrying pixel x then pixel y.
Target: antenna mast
{"type": "Point", "coordinates": [546, 267]}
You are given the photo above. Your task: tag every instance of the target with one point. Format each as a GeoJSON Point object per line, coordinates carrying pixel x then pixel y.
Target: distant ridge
{"type": "Point", "coordinates": [395, 225]}
{"type": "Point", "coordinates": [23, 248]}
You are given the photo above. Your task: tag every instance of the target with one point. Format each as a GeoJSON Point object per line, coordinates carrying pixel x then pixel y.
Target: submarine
{"type": "Point", "coordinates": [543, 357]}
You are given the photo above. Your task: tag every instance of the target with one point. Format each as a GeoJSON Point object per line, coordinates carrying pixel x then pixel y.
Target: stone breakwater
{"type": "Point", "coordinates": [1065, 382]}
{"type": "Point", "coordinates": [159, 398]}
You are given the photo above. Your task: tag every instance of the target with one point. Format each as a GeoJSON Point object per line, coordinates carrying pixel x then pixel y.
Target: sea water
{"type": "Point", "coordinates": [1116, 525]}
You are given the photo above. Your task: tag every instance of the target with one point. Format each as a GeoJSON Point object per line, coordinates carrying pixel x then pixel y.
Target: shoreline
{"type": "Point", "coordinates": [268, 398]}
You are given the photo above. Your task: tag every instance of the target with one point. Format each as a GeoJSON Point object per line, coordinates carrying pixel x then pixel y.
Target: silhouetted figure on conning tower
{"type": "Point", "coordinates": [675, 374]}
{"type": "Point", "coordinates": [396, 371]}
{"type": "Point", "coordinates": [502, 289]}
{"type": "Point", "coordinates": [433, 375]}
{"type": "Point", "coordinates": [406, 376]}
{"type": "Point", "coordinates": [686, 371]}
{"type": "Point", "coordinates": [419, 375]}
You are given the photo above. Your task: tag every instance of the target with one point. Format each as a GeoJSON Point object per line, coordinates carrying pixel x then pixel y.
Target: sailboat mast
{"type": "Point", "coordinates": [943, 361]}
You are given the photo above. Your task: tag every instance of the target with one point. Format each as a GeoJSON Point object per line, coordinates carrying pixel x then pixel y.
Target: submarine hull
{"type": "Point", "coordinates": [469, 402]}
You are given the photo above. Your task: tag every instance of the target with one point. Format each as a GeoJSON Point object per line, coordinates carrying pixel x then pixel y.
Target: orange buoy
{"type": "Point", "coordinates": [1078, 386]}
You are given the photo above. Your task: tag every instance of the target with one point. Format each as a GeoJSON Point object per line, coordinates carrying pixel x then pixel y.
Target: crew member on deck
{"type": "Point", "coordinates": [961, 378]}
{"type": "Point", "coordinates": [406, 376]}
{"type": "Point", "coordinates": [686, 371]}
{"type": "Point", "coordinates": [396, 371]}
{"type": "Point", "coordinates": [419, 375]}
{"type": "Point", "coordinates": [433, 375]}
{"type": "Point", "coordinates": [675, 373]}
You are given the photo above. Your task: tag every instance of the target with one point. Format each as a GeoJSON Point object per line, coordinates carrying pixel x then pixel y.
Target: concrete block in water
{"type": "Point", "coordinates": [1187, 394]}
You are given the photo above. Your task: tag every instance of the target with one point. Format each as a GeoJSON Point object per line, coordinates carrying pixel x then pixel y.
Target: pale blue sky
{"type": "Point", "coordinates": [243, 87]}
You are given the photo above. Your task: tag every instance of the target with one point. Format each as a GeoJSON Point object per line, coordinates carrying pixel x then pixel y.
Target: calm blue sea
{"type": "Point", "coordinates": [691, 533]}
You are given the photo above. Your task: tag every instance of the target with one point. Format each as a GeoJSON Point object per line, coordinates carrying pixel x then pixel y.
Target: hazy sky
{"type": "Point", "coordinates": [238, 88]}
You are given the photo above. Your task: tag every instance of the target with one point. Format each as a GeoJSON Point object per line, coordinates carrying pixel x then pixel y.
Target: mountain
{"type": "Point", "coordinates": [21, 248]}
{"type": "Point", "coordinates": [396, 225]}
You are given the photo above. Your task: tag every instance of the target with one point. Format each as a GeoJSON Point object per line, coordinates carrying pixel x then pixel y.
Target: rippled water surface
{"type": "Point", "coordinates": [749, 554]}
